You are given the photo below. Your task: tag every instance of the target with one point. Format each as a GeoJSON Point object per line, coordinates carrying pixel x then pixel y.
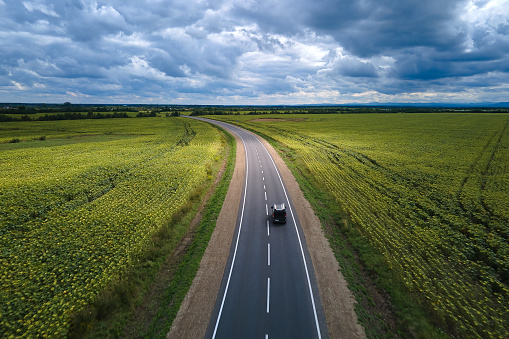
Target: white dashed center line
{"type": "Point", "coordinates": [268, 255]}
{"type": "Point", "coordinates": [268, 295]}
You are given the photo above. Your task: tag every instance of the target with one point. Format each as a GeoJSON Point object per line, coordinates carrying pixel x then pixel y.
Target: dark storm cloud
{"type": "Point", "coordinates": [368, 28]}
{"type": "Point", "coordinates": [279, 51]}
{"type": "Point", "coordinates": [426, 65]}
{"type": "Point", "coordinates": [427, 38]}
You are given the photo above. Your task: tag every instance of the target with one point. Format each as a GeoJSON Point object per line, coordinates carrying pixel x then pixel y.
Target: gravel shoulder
{"type": "Point", "coordinates": [337, 300]}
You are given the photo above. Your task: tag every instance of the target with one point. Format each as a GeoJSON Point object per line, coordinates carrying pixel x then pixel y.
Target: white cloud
{"type": "Point", "coordinates": [33, 6]}
{"type": "Point", "coordinates": [76, 94]}
{"type": "Point", "coordinates": [488, 13]}
{"type": "Point", "coordinates": [109, 87]}
{"type": "Point", "coordinates": [134, 39]}
{"type": "Point", "coordinates": [139, 67]}
{"type": "Point", "coordinates": [105, 13]}
{"type": "Point", "coordinates": [488, 17]}
{"type": "Point", "coordinates": [18, 85]}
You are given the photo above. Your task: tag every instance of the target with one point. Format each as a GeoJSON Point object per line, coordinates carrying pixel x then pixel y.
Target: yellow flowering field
{"type": "Point", "coordinates": [78, 206]}
{"type": "Point", "coordinates": [429, 191]}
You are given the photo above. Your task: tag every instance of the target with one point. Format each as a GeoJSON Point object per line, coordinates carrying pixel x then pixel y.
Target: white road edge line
{"type": "Point", "coordinates": [300, 243]}
{"type": "Point", "coordinates": [236, 245]}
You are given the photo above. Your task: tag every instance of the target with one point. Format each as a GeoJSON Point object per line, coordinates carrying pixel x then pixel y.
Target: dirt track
{"type": "Point", "coordinates": [338, 302]}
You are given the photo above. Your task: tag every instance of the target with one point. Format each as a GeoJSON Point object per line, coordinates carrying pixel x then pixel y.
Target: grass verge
{"type": "Point", "coordinates": [112, 314]}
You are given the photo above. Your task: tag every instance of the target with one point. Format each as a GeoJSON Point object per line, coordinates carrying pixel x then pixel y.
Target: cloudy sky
{"type": "Point", "coordinates": [254, 51]}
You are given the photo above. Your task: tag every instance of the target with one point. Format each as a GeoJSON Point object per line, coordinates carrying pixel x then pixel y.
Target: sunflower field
{"type": "Point", "coordinates": [80, 200]}
{"type": "Point", "coordinates": [429, 191]}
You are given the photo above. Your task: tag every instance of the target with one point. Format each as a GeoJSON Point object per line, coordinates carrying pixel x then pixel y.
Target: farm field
{"type": "Point", "coordinates": [80, 202]}
{"type": "Point", "coordinates": [430, 192]}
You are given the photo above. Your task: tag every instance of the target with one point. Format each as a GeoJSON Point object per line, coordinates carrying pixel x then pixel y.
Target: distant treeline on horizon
{"type": "Point", "coordinates": [68, 111]}
{"type": "Point", "coordinates": [71, 116]}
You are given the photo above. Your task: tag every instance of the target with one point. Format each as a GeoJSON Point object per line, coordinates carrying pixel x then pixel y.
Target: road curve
{"type": "Point", "coordinates": [269, 288]}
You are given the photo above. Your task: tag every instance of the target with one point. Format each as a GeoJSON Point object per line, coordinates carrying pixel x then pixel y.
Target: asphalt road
{"type": "Point", "coordinates": [269, 288]}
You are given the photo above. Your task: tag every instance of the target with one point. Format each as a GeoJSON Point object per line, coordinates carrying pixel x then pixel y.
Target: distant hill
{"type": "Point", "coordinates": [419, 104]}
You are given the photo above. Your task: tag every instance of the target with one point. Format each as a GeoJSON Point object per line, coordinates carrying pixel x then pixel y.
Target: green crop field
{"type": "Point", "coordinates": [80, 201]}
{"type": "Point", "coordinates": [430, 192]}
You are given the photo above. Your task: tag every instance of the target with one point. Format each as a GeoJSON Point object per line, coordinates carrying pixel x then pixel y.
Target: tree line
{"type": "Point", "coordinates": [66, 116]}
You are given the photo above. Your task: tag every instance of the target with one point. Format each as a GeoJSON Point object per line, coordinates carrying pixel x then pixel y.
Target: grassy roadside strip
{"type": "Point", "coordinates": [114, 308]}
{"type": "Point", "coordinates": [384, 307]}
{"type": "Point", "coordinates": [188, 266]}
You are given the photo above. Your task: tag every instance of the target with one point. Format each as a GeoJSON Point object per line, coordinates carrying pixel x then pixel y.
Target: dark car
{"type": "Point", "coordinates": [279, 213]}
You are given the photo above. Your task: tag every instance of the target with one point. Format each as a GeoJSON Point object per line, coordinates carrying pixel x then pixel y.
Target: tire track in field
{"type": "Point", "coordinates": [481, 168]}
{"type": "Point", "coordinates": [335, 153]}
{"type": "Point", "coordinates": [188, 135]}
{"type": "Point", "coordinates": [484, 179]}
{"type": "Point", "coordinates": [477, 161]}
